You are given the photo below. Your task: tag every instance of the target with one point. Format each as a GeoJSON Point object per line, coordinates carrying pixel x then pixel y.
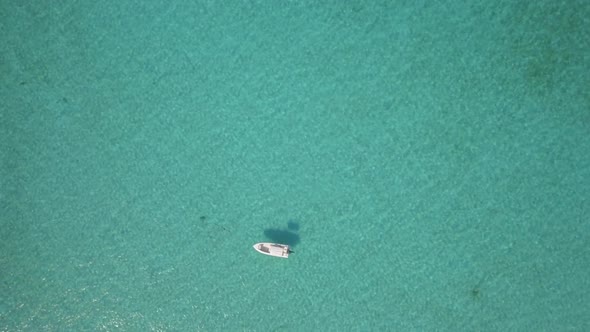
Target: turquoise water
{"type": "Point", "coordinates": [429, 164]}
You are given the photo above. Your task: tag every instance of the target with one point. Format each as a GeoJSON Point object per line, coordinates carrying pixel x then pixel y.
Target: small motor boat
{"type": "Point", "coordinates": [273, 249]}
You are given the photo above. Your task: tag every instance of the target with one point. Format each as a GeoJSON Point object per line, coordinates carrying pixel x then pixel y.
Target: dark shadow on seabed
{"type": "Point", "coordinates": [293, 225]}
{"type": "Point", "coordinates": [284, 236]}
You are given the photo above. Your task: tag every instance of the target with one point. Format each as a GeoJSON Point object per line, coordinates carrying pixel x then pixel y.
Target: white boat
{"type": "Point", "coordinates": [273, 249]}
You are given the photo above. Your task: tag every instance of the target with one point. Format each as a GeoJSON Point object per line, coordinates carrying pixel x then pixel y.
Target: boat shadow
{"type": "Point", "coordinates": [284, 236]}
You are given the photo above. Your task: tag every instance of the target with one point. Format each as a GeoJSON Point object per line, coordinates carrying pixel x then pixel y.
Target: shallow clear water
{"type": "Point", "coordinates": [429, 164]}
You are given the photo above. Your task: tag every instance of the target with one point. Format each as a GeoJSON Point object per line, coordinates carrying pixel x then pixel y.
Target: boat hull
{"type": "Point", "coordinates": [273, 249]}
